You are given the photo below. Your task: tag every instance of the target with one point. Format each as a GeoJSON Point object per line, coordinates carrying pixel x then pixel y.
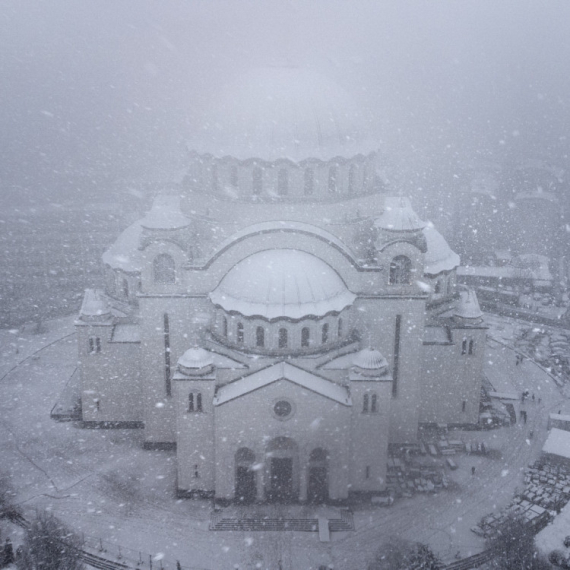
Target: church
{"type": "Point", "coordinates": [281, 320]}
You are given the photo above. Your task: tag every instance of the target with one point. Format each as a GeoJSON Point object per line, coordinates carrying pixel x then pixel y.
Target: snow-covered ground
{"type": "Point", "coordinates": [105, 486]}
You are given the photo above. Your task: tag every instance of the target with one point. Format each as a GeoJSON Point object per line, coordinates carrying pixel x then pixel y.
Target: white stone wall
{"type": "Point", "coordinates": [448, 378]}
{"type": "Point", "coordinates": [249, 422]}
{"type": "Point", "coordinates": [369, 436]}
{"type": "Point", "coordinates": [195, 435]}
{"type": "Point", "coordinates": [110, 379]}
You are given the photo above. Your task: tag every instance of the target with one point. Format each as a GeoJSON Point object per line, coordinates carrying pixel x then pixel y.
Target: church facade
{"type": "Point", "coordinates": [280, 320]}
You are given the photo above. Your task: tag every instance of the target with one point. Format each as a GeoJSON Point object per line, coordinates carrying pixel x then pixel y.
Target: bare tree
{"type": "Point", "coordinates": [50, 545]}
{"type": "Point", "coordinates": [514, 547]}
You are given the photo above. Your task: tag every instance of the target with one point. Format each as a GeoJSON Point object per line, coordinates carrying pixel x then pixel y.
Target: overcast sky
{"type": "Point", "coordinates": [99, 95]}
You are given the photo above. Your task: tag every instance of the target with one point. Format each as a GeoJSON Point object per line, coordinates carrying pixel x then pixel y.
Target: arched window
{"type": "Point", "coordinates": [94, 345]}
{"type": "Point", "coordinates": [339, 328]}
{"type": "Point", "coordinates": [365, 400]}
{"type": "Point", "coordinates": [225, 327]}
{"type": "Point", "coordinates": [257, 181]}
{"type": "Point", "coordinates": [164, 269]}
{"type": "Point", "coordinates": [325, 333]}
{"type": "Point", "coordinates": [464, 346]}
{"type": "Point", "coordinates": [437, 288]}
{"type": "Point", "coordinates": [234, 175]}
{"type": "Point", "coordinates": [333, 179]}
{"type": "Point", "coordinates": [283, 338]}
{"type": "Point", "coordinates": [125, 288]}
{"type": "Point", "coordinates": [374, 403]}
{"type": "Point", "coordinates": [309, 187]}
{"type": "Point", "coordinates": [400, 270]}
{"type": "Point", "coordinates": [283, 182]}
{"type": "Point", "coordinates": [195, 402]}
{"type": "Point", "coordinates": [240, 333]}
{"type": "Point", "coordinates": [471, 346]}
{"type": "Point", "coordinates": [305, 336]}
{"type": "Point", "coordinates": [352, 179]}
{"type": "Point", "coordinates": [260, 336]}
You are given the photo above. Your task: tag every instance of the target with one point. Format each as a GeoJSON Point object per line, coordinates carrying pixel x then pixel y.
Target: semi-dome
{"type": "Point", "coordinates": [165, 214]}
{"type": "Point", "coordinates": [439, 256]}
{"type": "Point", "coordinates": [283, 112]}
{"type": "Point", "coordinates": [282, 283]}
{"type": "Point", "coordinates": [398, 216]}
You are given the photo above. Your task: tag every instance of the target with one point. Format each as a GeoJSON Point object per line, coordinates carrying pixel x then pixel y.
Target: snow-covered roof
{"type": "Point", "coordinates": [124, 254]}
{"type": "Point", "coordinates": [343, 362]}
{"type": "Point", "coordinates": [439, 256]}
{"type": "Point", "coordinates": [285, 226]}
{"type": "Point", "coordinates": [399, 216]}
{"type": "Point", "coordinates": [552, 536]}
{"type": "Point", "coordinates": [126, 333]}
{"type": "Point", "coordinates": [467, 306]}
{"type": "Point", "coordinates": [557, 443]}
{"type": "Point", "coordinates": [283, 112]}
{"type": "Point", "coordinates": [436, 335]}
{"type": "Point", "coordinates": [559, 417]}
{"type": "Point", "coordinates": [165, 214]}
{"type": "Point", "coordinates": [282, 283]}
{"type": "Point", "coordinates": [282, 371]}
{"type": "Point", "coordinates": [94, 304]}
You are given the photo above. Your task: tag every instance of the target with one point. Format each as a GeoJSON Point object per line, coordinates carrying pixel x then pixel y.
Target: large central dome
{"type": "Point", "coordinates": [282, 283]}
{"type": "Point", "coordinates": [283, 112]}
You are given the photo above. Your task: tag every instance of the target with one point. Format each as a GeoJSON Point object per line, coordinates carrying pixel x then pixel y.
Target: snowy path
{"type": "Point", "coordinates": [103, 484]}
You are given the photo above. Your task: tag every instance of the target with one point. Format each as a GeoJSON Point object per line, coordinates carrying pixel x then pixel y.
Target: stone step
{"type": "Point", "coordinates": [345, 523]}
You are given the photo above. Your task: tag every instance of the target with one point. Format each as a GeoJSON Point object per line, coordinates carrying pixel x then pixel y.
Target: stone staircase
{"type": "Point", "coordinates": [219, 522]}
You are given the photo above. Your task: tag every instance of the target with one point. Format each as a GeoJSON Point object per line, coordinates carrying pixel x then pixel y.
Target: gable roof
{"type": "Point", "coordinates": [282, 371]}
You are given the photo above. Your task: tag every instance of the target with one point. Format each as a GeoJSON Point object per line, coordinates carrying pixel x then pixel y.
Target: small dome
{"type": "Point", "coordinates": [94, 306]}
{"type": "Point", "coordinates": [439, 256]}
{"type": "Point", "coordinates": [196, 358]}
{"type": "Point", "coordinates": [283, 112]}
{"type": "Point", "coordinates": [398, 216]}
{"type": "Point", "coordinates": [370, 359]}
{"type": "Point", "coordinates": [282, 283]}
{"type": "Point", "coordinates": [468, 306]}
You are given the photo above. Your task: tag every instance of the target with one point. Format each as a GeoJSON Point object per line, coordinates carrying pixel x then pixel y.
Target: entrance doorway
{"type": "Point", "coordinates": [281, 483]}
{"type": "Point", "coordinates": [246, 488]}
{"type": "Point", "coordinates": [318, 484]}
{"type": "Point", "coordinates": [282, 470]}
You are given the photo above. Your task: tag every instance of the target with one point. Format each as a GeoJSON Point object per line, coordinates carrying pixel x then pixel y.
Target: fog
{"type": "Point", "coordinates": [99, 97]}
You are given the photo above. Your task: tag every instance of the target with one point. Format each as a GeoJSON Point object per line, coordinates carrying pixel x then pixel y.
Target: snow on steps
{"type": "Point", "coordinates": [342, 524]}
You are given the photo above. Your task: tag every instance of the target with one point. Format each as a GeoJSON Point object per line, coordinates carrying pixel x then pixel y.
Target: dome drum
{"type": "Point", "coordinates": [257, 335]}
{"type": "Point", "coordinates": [283, 179]}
